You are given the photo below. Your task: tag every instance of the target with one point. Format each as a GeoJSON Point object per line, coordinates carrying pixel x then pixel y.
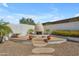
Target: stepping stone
{"type": "Point", "coordinates": [40, 55]}
{"type": "Point", "coordinates": [38, 42]}
{"type": "Point", "coordinates": [40, 45]}
{"type": "Point", "coordinates": [3, 54]}
{"type": "Point", "coordinates": [43, 50]}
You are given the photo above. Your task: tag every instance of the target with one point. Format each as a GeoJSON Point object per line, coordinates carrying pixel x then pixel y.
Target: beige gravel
{"type": "Point", "coordinates": [10, 48]}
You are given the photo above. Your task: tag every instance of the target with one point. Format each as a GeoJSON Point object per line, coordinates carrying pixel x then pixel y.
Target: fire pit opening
{"type": "Point", "coordinates": [38, 33]}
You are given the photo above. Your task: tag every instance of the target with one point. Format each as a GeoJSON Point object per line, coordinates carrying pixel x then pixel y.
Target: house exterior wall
{"type": "Point", "coordinates": [63, 26]}
{"type": "Point", "coordinates": [20, 28]}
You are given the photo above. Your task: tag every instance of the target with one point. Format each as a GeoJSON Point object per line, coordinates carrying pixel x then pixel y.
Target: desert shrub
{"type": "Point", "coordinates": [74, 33]}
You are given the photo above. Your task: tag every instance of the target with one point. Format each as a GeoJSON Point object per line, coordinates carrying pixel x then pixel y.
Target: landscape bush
{"type": "Point", "coordinates": [74, 33]}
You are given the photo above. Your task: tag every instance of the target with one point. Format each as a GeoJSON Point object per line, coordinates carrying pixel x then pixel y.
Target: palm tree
{"type": "Point", "coordinates": [4, 30]}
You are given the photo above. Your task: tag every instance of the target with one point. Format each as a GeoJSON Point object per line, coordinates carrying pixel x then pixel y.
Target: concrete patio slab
{"type": "Point", "coordinates": [43, 50]}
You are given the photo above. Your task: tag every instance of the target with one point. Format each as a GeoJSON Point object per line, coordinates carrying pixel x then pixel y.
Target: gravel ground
{"type": "Point", "coordinates": [10, 48]}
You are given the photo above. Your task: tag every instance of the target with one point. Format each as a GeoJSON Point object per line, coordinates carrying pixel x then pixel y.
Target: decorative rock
{"type": "Point", "coordinates": [43, 50]}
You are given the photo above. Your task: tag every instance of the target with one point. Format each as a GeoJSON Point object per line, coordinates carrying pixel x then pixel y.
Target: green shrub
{"type": "Point", "coordinates": [74, 33]}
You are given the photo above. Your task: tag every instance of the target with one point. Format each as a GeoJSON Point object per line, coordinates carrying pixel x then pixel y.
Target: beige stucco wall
{"type": "Point", "coordinates": [63, 26]}
{"type": "Point", "coordinates": [20, 28]}
{"type": "Point", "coordinates": [23, 28]}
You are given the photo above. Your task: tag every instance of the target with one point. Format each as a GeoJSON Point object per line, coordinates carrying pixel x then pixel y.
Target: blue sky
{"type": "Point", "coordinates": [39, 12]}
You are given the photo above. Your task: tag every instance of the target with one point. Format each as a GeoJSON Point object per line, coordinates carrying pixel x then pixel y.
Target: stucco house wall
{"type": "Point", "coordinates": [63, 26]}
{"type": "Point", "coordinates": [20, 28]}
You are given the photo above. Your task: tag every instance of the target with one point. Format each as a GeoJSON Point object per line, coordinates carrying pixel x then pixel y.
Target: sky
{"type": "Point", "coordinates": [39, 12]}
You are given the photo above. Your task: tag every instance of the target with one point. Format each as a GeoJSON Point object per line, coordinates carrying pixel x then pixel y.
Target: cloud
{"type": "Point", "coordinates": [56, 18]}
{"type": "Point", "coordinates": [76, 15]}
{"type": "Point", "coordinates": [14, 17]}
{"type": "Point", "coordinates": [4, 11]}
{"type": "Point", "coordinates": [11, 19]}
{"type": "Point", "coordinates": [5, 4]}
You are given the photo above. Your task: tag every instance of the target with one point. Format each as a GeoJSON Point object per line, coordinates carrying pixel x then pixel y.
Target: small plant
{"type": "Point", "coordinates": [30, 31]}
{"type": "Point", "coordinates": [47, 31]}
